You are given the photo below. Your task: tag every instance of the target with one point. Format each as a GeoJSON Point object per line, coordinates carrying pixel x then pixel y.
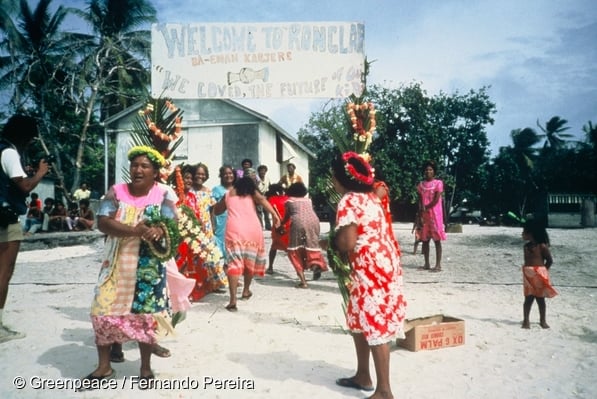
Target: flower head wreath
{"type": "Point", "coordinates": [354, 174]}
{"type": "Point", "coordinates": [154, 156]}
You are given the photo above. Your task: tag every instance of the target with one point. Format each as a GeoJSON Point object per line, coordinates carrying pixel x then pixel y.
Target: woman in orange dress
{"type": "Point", "coordinates": [277, 198]}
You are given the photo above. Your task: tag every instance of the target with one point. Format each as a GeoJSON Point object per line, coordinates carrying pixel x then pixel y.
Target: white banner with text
{"type": "Point", "coordinates": [257, 60]}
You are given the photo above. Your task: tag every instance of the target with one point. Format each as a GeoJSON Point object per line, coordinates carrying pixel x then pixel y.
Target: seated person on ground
{"type": "Point", "coordinates": [46, 211]}
{"type": "Point", "coordinates": [86, 217]}
{"type": "Point", "coordinates": [58, 217]}
{"type": "Point", "coordinates": [34, 215]}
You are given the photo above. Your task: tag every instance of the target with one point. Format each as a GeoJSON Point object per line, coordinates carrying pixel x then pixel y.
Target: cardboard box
{"type": "Point", "coordinates": [433, 332]}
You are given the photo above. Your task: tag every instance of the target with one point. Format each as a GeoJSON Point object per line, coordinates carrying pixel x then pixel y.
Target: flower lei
{"type": "Point", "coordinates": [195, 238]}
{"type": "Point", "coordinates": [353, 173]}
{"type": "Point", "coordinates": [167, 247]}
{"type": "Point", "coordinates": [153, 155]}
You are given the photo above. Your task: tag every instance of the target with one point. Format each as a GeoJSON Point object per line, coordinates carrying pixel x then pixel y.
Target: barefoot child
{"type": "Point", "coordinates": [417, 227]}
{"type": "Point", "coordinates": [535, 274]}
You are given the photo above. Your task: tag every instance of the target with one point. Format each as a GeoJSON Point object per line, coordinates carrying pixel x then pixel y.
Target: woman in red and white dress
{"type": "Point", "coordinates": [376, 307]}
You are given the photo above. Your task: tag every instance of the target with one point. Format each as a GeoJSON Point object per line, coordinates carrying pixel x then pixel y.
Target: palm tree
{"type": "Point", "coordinates": [591, 134]}
{"type": "Point", "coordinates": [554, 132]}
{"type": "Point", "coordinates": [31, 50]}
{"type": "Point", "coordinates": [115, 59]}
{"type": "Point", "coordinates": [120, 50]}
{"type": "Point", "coordinates": [523, 154]}
{"type": "Point", "coordinates": [524, 141]}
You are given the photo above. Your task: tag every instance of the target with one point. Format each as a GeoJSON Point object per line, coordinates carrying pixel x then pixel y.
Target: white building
{"type": "Point", "coordinates": [218, 132]}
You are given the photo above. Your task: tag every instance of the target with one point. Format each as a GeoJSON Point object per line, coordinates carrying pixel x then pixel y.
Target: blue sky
{"type": "Point", "coordinates": [539, 57]}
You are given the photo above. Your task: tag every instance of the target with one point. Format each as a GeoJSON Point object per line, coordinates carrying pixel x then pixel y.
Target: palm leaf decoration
{"type": "Point", "coordinates": [360, 126]}
{"type": "Point", "coordinates": [159, 126]}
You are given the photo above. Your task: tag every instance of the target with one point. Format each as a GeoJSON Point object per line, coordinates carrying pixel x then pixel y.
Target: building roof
{"type": "Point", "coordinates": [139, 105]}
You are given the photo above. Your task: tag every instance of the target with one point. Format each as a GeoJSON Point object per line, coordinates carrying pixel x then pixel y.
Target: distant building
{"type": "Point", "coordinates": [218, 132]}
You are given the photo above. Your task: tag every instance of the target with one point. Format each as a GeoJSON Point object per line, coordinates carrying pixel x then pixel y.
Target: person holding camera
{"type": "Point", "coordinates": [15, 186]}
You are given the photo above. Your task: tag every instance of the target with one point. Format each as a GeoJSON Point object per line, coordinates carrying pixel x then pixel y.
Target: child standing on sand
{"type": "Point", "coordinates": [535, 272]}
{"type": "Point", "coordinates": [417, 227]}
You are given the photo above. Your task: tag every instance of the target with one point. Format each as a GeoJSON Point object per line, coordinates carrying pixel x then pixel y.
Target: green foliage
{"type": "Point", "coordinates": [411, 128]}
{"type": "Point", "coordinates": [522, 174]}
{"type": "Point", "coordinates": [71, 80]}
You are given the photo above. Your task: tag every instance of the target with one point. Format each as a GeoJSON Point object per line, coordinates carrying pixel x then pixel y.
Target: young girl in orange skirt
{"type": "Point", "coordinates": [535, 272]}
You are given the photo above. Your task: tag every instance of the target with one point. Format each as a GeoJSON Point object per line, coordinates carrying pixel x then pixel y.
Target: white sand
{"type": "Point", "coordinates": [291, 343]}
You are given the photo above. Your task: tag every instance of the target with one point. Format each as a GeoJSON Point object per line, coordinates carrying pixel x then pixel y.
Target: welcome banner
{"type": "Point", "coordinates": [257, 60]}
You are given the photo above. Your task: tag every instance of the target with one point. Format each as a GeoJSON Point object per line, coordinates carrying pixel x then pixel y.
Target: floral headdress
{"type": "Point", "coordinates": [364, 178]}
{"type": "Point", "coordinates": [154, 156]}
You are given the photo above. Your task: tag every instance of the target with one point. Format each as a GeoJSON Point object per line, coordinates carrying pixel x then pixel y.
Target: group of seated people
{"type": "Point", "coordinates": [54, 216]}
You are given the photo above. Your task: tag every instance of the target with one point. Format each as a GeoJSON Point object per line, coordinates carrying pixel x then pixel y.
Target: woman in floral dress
{"type": "Point", "coordinates": [376, 306]}
{"type": "Point", "coordinates": [214, 276]}
{"type": "Point", "coordinates": [131, 301]}
{"type": "Point", "coordinates": [186, 261]}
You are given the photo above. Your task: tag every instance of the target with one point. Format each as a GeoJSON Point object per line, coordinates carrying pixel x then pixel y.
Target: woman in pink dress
{"type": "Point", "coordinates": [432, 213]}
{"type": "Point", "coordinates": [245, 245]}
{"type": "Point", "coordinates": [376, 306]}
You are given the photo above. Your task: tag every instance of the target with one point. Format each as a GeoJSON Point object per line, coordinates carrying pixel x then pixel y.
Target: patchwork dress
{"type": "Point", "coordinates": [376, 305]}
{"type": "Point", "coordinates": [131, 298]}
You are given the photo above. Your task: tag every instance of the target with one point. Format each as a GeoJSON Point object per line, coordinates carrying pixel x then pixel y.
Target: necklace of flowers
{"type": "Point", "coordinates": [167, 247]}
{"type": "Point", "coordinates": [153, 127]}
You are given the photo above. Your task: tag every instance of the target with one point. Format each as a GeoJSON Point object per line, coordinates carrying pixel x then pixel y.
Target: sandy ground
{"type": "Point", "coordinates": [290, 343]}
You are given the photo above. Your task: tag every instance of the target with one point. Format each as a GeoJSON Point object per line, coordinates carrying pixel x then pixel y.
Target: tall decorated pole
{"type": "Point", "coordinates": [361, 125]}
{"type": "Point", "coordinates": [159, 126]}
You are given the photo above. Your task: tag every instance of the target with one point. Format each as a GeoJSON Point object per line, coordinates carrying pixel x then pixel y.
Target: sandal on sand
{"type": "Point", "coordinates": [91, 381]}
{"type": "Point", "coordinates": [423, 268]}
{"type": "Point", "coordinates": [246, 297]}
{"type": "Point", "coordinates": [350, 383]}
{"type": "Point", "coordinates": [160, 351]}
{"type": "Point", "coordinates": [302, 285]}
{"type": "Point", "coordinates": [316, 273]}
{"type": "Point", "coordinates": [436, 270]}
{"type": "Point", "coordinates": [231, 308]}
{"type": "Point", "coordinates": [116, 357]}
